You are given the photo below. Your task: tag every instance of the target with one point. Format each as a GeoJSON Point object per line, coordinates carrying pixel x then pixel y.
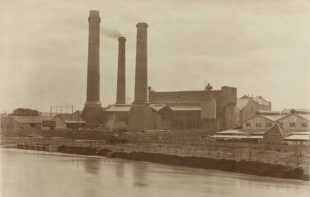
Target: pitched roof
{"type": "Point", "coordinates": [269, 117]}
{"type": "Point", "coordinates": [275, 128]}
{"type": "Point", "coordinates": [273, 117]}
{"type": "Point", "coordinates": [305, 116]}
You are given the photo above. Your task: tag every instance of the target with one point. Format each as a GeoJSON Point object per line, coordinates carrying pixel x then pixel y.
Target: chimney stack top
{"type": "Point", "coordinates": [94, 13]}
{"type": "Point", "coordinates": [142, 25]}
{"type": "Point", "coordinates": [122, 39]}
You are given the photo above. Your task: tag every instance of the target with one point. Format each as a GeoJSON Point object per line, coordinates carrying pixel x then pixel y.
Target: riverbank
{"type": "Point", "coordinates": [248, 167]}
{"type": "Point", "coordinates": [262, 160]}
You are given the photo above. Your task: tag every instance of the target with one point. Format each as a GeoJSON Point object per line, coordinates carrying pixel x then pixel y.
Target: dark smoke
{"type": "Point", "coordinates": [112, 33]}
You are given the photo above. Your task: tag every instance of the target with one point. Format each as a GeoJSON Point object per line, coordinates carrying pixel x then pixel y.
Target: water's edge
{"type": "Point", "coordinates": [246, 167]}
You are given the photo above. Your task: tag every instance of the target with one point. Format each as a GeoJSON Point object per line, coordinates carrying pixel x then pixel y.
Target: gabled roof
{"type": "Point", "coordinates": [275, 128]}
{"type": "Point", "coordinates": [303, 116]}
{"type": "Point", "coordinates": [271, 118]}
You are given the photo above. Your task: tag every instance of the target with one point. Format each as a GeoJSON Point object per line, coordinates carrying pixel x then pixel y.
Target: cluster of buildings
{"type": "Point", "coordinates": [46, 121]}
{"type": "Point", "coordinates": [289, 126]}
{"type": "Point", "coordinates": [246, 118]}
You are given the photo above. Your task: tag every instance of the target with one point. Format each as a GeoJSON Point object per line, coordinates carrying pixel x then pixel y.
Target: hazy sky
{"type": "Point", "coordinates": [260, 47]}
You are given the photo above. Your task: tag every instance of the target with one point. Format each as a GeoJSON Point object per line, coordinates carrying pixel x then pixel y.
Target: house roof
{"type": "Point", "coordinates": [273, 117]}
{"type": "Point", "coordinates": [118, 108]}
{"type": "Point", "coordinates": [268, 117]}
{"type": "Point", "coordinates": [303, 116]}
{"type": "Point", "coordinates": [31, 119]}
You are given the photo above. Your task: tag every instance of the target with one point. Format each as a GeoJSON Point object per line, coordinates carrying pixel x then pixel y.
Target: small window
{"type": "Point", "coordinates": [248, 124]}
{"type": "Point", "coordinates": [258, 124]}
{"type": "Point", "coordinates": [292, 124]}
{"type": "Point", "coordinates": [304, 124]}
{"type": "Point", "coordinates": [268, 124]}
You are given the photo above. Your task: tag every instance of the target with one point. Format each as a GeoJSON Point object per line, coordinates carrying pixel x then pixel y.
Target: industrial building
{"type": "Point", "coordinates": [272, 129]}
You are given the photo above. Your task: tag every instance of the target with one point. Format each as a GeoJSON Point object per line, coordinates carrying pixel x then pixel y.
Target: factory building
{"type": "Point", "coordinates": [207, 108]}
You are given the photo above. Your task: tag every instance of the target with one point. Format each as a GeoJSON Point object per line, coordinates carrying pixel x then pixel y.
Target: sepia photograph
{"type": "Point", "coordinates": [154, 98]}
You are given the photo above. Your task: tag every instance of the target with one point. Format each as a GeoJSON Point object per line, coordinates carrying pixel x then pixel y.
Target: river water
{"type": "Point", "coordinates": [27, 173]}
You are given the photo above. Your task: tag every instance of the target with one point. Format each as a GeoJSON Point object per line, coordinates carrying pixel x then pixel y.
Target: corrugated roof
{"type": "Point", "coordinates": [185, 108]}
{"type": "Point", "coordinates": [297, 138]}
{"type": "Point", "coordinates": [118, 108]}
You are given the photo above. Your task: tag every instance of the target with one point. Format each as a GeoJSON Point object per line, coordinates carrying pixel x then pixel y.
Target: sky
{"type": "Point", "coordinates": [260, 47]}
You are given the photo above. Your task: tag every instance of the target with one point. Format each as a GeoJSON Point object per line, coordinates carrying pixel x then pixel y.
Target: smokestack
{"type": "Point", "coordinates": [92, 112]}
{"type": "Point", "coordinates": [93, 71]}
{"type": "Point", "coordinates": [140, 114]}
{"type": "Point", "coordinates": [141, 64]}
{"type": "Point", "coordinates": [121, 73]}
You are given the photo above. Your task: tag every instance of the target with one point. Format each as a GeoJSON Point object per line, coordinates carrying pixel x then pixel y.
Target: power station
{"type": "Point", "coordinates": [151, 110]}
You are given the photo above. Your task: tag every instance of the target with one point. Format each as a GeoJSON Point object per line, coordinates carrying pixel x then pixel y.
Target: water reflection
{"type": "Point", "coordinates": [60, 175]}
{"type": "Point", "coordinates": [119, 168]}
{"type": "Point", "coordinates": [139, 173]}
{"type": "Point", "coordinates": [92, 165]}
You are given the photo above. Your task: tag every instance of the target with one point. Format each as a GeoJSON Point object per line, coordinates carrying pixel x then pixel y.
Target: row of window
{"type": "Point", "coordinates": [269, 124]}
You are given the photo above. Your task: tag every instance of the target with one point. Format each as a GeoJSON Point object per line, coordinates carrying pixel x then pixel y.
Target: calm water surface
{"type": "Point", "coordinates": [38, 174]}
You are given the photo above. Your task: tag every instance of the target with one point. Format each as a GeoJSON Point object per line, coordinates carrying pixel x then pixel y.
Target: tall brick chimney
{"type": "Point", "coordinates": [141, 64]}
{"type": "Point", "coordinates": [92, 111]}
{"type": "Point", "coordinates": [121, 73]}
{"type": "Point", "coordinates": [140, 115]}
